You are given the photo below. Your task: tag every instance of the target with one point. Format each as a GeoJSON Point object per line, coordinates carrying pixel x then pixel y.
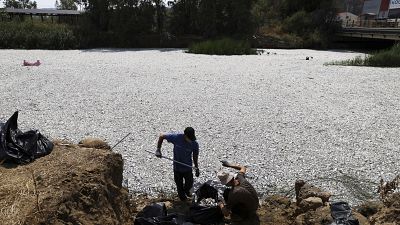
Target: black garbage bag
{"type": "Point", "coordinates": [21, 147]}
{"type": "Point", "coordinates": [153, 210]}
{"type": "Point", "coordinates": [156, 214]}
{"type": "Point", "coordinates": [161, 220]}
{"type": "Point", "coordinates": [341, 214]}
{"type": "Point", "coordinates": [205, 214]}
{"type": "Point", "coordinates": [206, 191]}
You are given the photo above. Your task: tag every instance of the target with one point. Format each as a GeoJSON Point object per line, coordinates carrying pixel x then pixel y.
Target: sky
{"type": "Point", "coordinates": [45, 3]}
{"type": "Point", "coordinates": [40, 3]}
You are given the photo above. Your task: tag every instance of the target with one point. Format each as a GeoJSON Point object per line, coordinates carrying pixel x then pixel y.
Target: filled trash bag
{"type": "Point", "coordinates": [203, 211]}
{"type": "Point", "coordinates": [21, 147]}
{"type": "Point", "coordinates": [205, 191]}
{"type": "Point", "coordinates": [153, 210]}
{"type": "Point", "coordinates": [156, 214]}
{"type": "Point", "coordinates": [205, 215]}
{"type": "Point", "coordinates": [161, 220]}
{"type": "Point", "coordinates": [341, 214]}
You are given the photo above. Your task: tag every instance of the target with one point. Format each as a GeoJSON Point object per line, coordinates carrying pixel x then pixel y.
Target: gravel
{"type": "Point", "coordinates": [284, 117]}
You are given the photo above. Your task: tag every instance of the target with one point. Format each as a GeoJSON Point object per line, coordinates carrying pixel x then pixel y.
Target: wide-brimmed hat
{"type": "Point", "coordinates": [225, 177]}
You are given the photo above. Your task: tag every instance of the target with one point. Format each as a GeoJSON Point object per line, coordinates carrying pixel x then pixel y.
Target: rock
{"type": "Point", "coordinates": [320, 216]}
{"type": "Point", "coordinates": [94, 143]}
{"type": "Point", "coordinates": [310, 203]}
{"type": "Point", "coordinates": [369, 208]}
{"type": "Point", "coordinates": [304, 190]}
{"type": "Point", "coordinates": [362, 220]}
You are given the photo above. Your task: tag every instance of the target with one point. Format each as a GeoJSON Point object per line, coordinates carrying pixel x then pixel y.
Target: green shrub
{"type": "Point", "coordinates": [224, 46]}
{"type": "Point", "coordinates": [299, 23]}
{"type": "Point", "coordinates": [30, 35]}
{"type": "Point", "coordinates": [385, 58]}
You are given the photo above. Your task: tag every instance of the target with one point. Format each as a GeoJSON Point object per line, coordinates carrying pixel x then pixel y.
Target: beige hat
{"type": "Point", "coordinates": [225, 177]}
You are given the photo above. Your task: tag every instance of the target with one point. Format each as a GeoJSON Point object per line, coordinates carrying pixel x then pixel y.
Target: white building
{"type": "Point", "coordinates": [348, 19]}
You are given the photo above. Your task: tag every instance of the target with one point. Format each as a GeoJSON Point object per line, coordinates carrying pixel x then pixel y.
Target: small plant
{"type": "Point", "coordinates": [224, 46]}
{"type": "Point", "coordinates": [385, 58]}
{"type": "Point", "coordinates": [387, 188]}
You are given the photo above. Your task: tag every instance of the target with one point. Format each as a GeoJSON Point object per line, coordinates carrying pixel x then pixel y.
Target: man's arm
{"type": "Point", "coordinates": [224, 210]}
{"type": "Point", "coordinates": [241, 168]}
{"type": "Point", "coordinates": [196, 160]}
{"type": "Point", "coordinates": [160, 141]}
{"type": "Point", "coordinates": [159, 144]}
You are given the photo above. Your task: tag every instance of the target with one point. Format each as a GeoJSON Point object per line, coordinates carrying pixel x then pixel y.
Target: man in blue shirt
{"type": "Point", "coordinates": [185, 145]}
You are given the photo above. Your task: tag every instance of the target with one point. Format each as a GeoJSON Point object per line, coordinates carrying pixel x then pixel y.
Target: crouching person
{"type": "Point", "coordinates": [242, 199]}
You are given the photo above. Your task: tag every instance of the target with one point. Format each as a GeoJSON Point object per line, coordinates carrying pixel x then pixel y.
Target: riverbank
{"type": "Point", "coordinates": [280, 114]}
{"type": "Point", "coordinates": [80, 184]}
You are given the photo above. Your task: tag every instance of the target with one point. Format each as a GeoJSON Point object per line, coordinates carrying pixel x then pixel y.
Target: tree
{"type": "Point", "coordinates": [185, 17]}
{"type": "Point", "coordinates": [234, 18]}
{"type": "Point", "coordinates": [208, 18]}
{"type": "Point", "coordinates": [66, 4]}
{"type": "Point", "coordinates": [160, 16]}
{"type": "Point", "coordinates": [20, 4]}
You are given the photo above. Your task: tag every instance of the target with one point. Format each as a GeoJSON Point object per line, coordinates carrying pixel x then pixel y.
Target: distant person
{"type": "Point", "coordinates": [242, 199]}
{"type": "Point", "coordinates": [185, 147]}
{"type": "Point", "coordinates": [37, 63]}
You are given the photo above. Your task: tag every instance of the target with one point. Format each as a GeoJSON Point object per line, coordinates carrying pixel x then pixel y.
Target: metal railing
{"type": "Point", "coordinates": [372, 23]}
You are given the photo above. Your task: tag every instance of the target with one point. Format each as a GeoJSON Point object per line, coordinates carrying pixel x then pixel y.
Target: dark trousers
{"type": "Point", "coordinates": [183, 187]}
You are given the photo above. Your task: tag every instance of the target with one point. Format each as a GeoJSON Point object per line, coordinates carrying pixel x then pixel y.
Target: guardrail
{"type": "Point", "coordinates": [372, 23]}
{"type": "Point", "coordinates": [383, 33]}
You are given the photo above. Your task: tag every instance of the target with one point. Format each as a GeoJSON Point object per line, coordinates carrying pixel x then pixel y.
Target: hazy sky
{"type": "Point", "coordinates": [40, 3]}
{"type": "Point", "coordinates": [45, 3]}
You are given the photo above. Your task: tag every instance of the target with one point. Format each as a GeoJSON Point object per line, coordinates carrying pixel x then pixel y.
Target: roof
{"type": "Point", "coordinates": [368, 14]}
{"type": "Point", "coordinates": [43, 11]}
{"type": "Point", "coordinates": [347, 14]}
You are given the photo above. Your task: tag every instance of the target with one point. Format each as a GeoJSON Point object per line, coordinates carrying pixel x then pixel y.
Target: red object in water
{"type": "Point", "coordinates": [37, 63]}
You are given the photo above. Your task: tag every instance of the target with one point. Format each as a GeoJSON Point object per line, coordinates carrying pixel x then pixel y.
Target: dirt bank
{"type": "Point", "coordinates": [72, 185]}
{"type": "Point", "coordinates": [82, 185]}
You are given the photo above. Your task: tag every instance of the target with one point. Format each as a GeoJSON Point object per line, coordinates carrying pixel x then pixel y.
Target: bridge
{"type": "Point", "coordinates": [378, 29]}
{"type": "Point", "coordinates": [382, 33]}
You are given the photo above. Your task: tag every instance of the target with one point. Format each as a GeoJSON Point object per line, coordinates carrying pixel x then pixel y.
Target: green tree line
{"type": "Point", "coordinates": [151, 23]}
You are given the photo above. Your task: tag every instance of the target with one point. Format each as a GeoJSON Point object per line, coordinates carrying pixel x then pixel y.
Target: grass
{"type": "Point", "coordinates": [384, 58]}
{"type": "Point", "coordinates": [225, 46]}
{"type": "Point", "coordinates": [31, 35]}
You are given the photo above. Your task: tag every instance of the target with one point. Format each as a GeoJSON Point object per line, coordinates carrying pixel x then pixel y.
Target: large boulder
{"type": "Point", "coordinates": [319, 216]}
{"type": "Point", "coordinates": [304, 191]}
{"type": "Point", "coordinates": [310, 203]}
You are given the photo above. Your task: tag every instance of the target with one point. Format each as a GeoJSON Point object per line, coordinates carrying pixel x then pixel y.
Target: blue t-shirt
{"type": "Point", "coordinates": [182, 151]}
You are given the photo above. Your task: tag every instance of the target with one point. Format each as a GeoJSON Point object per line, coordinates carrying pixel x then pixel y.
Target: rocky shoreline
{"type": "Point", "coordinates": [82, 184]}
